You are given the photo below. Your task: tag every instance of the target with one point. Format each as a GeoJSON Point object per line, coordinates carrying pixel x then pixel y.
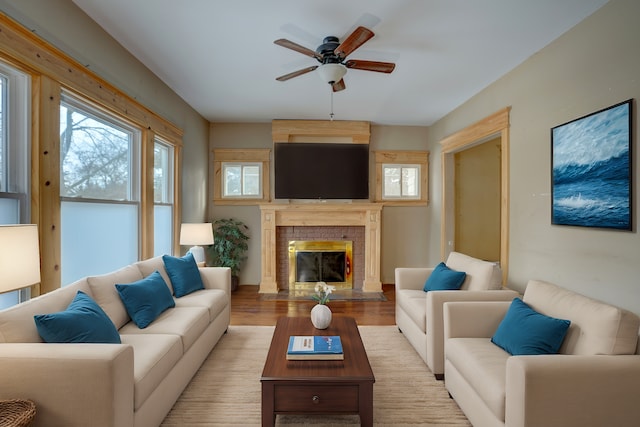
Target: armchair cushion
{"type": "Point", "coordinates": [444, 279]}
{"type": "Point", "coordinates": [524, 331]}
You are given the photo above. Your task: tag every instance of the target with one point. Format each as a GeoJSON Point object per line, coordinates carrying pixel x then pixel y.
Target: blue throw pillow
{"type": "Point", "coordinates": [442, 278]}
{"type": "Point", "coordinates": [184, 274]}
{"type": "Point", "coordinates": [82, 322]}
{"type": "Point", "coordinates": [525, 331]}
{"type": "Point", "coordinates": [146, 299]}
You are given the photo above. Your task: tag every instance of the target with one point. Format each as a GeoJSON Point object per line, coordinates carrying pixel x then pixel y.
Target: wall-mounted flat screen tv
{"type": "Point", "coordinates": [321, 171]}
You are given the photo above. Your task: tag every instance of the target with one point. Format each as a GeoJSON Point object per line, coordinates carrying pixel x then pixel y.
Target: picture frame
{"type": "Point", "coordinates": [591, 173]}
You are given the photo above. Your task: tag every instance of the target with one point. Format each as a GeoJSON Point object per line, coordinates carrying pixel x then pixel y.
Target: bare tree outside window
{"type": "Point", "coordinates": [95, 157]}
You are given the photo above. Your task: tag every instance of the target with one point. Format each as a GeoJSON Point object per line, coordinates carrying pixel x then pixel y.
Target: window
{"type": "Point", "coordinates": [99, 191]}
{"type": "Point", "coordinates": [402, 177]}
{"type": "Point", "coordinates": [401, 181]}
{"type": "Point", "coordinates": [241, 179]}
{"type": "Point", "coordinates": [15, 164]}
{"type": "Point", "coordinates": [163, 186]}
{"type": "Point", "coordinates": [242, 176]}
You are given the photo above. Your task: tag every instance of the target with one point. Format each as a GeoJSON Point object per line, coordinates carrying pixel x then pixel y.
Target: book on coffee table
{"type": "Point", "coordinates": [314, 347]}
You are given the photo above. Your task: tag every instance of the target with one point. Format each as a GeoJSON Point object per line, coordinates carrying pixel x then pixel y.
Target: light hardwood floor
{"type": "Point", "coordinates": [248, 309]}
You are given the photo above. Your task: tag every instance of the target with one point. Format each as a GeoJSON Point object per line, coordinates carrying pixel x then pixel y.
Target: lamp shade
{"type": "Point", "coordinates": [331, 73]}
{"type": "Point", "coordinates": [196, 234]}
{"type": "Point", "coordinates": [19, 257]}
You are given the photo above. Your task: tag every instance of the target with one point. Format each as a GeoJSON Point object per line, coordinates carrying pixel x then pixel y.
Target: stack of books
{"type": "Point", "coordinates": [314, 347]}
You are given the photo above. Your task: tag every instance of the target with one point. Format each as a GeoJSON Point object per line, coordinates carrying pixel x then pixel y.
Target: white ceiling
{"type": "Point", "coordinates": [220, 58]}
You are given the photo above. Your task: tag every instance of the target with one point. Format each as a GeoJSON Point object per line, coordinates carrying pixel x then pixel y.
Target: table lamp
{"type": "Point", "coordinates": [196, 235]}
{"type": "Point", "coordinates": [19, 257]}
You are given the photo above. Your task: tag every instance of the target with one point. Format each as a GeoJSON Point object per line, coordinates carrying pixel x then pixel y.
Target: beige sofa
{"type": "Point", "coordinates": [419, 314]}
{"type": "Point", "coordinates": [593, 381]}
{"type": "Point", "coordinates": [112, 385]}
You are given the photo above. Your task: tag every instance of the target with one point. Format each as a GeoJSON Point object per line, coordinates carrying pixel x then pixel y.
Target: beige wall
{"type": "Point", "coordinates": [66, 27]}
{"type": "Point", "coordinates": [592, 66]}
{"type": "Point", "coordinates": [404, 229]}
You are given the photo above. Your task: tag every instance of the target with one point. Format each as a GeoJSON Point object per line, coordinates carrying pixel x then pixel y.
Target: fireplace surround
{"type": "Point", "coordinates": [365, 215]}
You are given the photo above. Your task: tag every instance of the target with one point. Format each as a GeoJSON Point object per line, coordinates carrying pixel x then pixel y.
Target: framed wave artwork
{"type": "Point", "coordinates": [591, 170]}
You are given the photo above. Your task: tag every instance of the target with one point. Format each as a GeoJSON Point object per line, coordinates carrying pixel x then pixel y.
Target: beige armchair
{"type": "Point", "coordinates": [419, 314]}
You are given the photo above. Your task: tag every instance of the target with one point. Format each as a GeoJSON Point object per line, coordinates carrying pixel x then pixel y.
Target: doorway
{"type": "Point", "coordinates": [460, 229]}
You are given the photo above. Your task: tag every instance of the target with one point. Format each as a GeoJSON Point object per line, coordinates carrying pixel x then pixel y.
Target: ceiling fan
{"type": "Point", "coordinates": [332, 56]}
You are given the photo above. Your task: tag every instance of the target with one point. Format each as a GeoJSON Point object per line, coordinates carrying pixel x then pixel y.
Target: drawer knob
{"type": "Point", "coordinates": [315, 399]}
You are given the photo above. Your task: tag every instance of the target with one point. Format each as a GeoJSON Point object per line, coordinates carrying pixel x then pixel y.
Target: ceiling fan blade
{"type": "Point", "coordinates": [338, 86]}
{"type": "Point", "coordinates": [298, 48]}
{"type": "Point", "coordinates": [380, 67]}
{"type": "Point", "coordinates": [296, 73]}
{"type": "Point", "coordinates": [356, 39]}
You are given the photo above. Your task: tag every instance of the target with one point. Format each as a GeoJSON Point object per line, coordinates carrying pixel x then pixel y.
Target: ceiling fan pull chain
{"type": "Point", "coordinates": [331, 114]}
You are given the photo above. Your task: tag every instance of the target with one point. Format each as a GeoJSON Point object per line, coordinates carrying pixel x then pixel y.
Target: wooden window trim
{"type": "Point", "coordinates": [256, 155]}
{"type": "Point", "coordinates": [420, 158]}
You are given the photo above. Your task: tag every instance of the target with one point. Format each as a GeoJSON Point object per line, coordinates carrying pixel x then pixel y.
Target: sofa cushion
{"type": "Point", "coordinates": [525, 331]}
{"type": "Point", "coordinates": [105, 293]}
{"type": "Point", "coordinates": [184, 274]}
{"type": "Point", "coordinates": [414, 303]}
{"type": "Point", "coordinates": [482, 364]}
{"type": "Point", "coordinates": [146, 299]}
{"type": "Point", "coordinates": [186, 322]}
{"type": "Point", "coordinates": [16, 323]}
{"type": "Point", "coordinates": [155, 357]}
{"type": "Point", "coordinates": [443, 278]}
{"type": "Point", "coordinates": [82, 322]}
{"type": "Point", "coordinates": [150, 265]}
{"type": "Point", "coordinates": [596, 327]}
{"type": "Point", "coordinates": [481, 275]}
{"type": "Point", "coordinates": [214, 300]}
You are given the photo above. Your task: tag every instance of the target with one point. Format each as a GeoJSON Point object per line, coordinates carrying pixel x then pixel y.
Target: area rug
{"type": "Point", "coordinates": [339, 295]}
{"type": "Point", "coordinates": [226, 389]}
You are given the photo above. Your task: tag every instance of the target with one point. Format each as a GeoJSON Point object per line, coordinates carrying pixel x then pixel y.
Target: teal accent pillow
{"type": "Point", "coordinates": [146, 299]}
{"type": "Point", "coordinates": [525, 331]}
{"type": "Point", "coordinates": [442, 278]}
{"type": "Point", "coordinates": [82, 322]}
{"type": "Point", "coordinates": [184, 274]}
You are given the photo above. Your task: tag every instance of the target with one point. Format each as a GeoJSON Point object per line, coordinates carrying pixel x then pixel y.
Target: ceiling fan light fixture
{"type": "Point", "coordinates": [331, 73]}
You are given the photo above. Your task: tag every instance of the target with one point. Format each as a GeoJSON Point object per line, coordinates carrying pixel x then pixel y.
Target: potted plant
{"type": "Point", "coordinates": [229, 246]}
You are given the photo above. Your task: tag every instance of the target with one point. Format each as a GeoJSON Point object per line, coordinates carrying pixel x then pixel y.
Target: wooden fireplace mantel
{"type": "Point", "coordinates": [368, 215]}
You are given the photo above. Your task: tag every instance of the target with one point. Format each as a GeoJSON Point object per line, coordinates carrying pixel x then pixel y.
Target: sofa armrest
{"type": "Point", "coordinates": [216, 278]}
{"type": "Point", "coordinates": [435, 318]}
{"type": "Point", "coordinates": [571, 390]}
{"type": "Point", "coordinates": [411, 277]}
{"type": "Point", "coordinates": [473, 319]}
{"type": "Point", "coordinates": [71, 384]}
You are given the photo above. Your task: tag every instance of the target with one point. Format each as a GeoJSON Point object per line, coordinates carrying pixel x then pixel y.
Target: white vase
{"type": "Point", "coordinates": [321, 316]}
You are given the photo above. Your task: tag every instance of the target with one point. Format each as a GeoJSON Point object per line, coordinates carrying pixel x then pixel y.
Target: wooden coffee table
{"type": "Point", "coordinates": [314, 386]}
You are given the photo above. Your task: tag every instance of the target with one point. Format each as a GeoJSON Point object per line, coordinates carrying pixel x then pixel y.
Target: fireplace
{"type": "Point", "coordinates": [312, 261]}
{"type": "Point", "coordinates": [275, 218]}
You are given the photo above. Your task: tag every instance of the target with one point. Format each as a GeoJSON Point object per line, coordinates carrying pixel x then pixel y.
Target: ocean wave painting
{"type": "Point", "coordinates": [591, 177]}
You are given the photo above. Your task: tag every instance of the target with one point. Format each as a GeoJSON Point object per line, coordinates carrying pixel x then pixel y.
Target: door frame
{"type": "Point", "coordinates": [497, 124]}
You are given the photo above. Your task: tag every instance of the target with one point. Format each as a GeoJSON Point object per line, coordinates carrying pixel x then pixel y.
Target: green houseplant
{"type": "Point", "coordinates": [229, 246]}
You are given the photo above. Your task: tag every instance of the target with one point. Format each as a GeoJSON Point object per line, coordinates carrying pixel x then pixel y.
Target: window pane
{"type": "Point", "coordinates": [251, 181]}
{"type": "Point", "coordinates": [410, 181]}
{"type": "Point", "coordinates": [162, 173]}
{"type": "Point", "coordinates": [96, 157]}
{"type": "Point", "coordinates": [392, 182]}
{"type": "Point", "coordinates": [9, 211]}
{"type": "Point", "coordinates": [232, 180]}
{"type": "Point", "coordinates": [163, 226]}
{"type": "Point", "coordinates": [97, 238]}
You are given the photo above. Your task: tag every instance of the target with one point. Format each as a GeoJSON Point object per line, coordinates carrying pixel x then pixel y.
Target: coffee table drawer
{"type": "Point", "coordinates": [312, 398]}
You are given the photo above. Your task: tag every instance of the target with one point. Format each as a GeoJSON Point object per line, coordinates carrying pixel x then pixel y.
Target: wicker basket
{"type": "Point", "coordinates": [16, 412]}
